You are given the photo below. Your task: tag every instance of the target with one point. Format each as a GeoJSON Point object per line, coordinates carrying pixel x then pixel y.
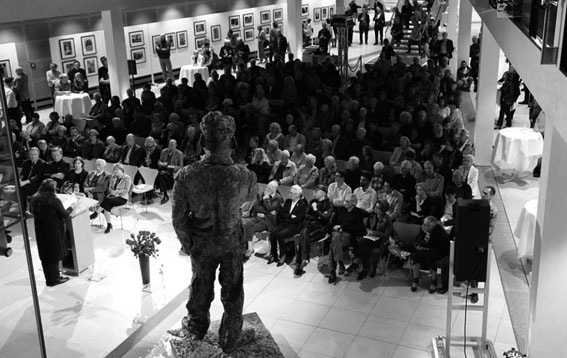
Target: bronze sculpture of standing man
{"type": "Point", "coordinates": [207, 197]}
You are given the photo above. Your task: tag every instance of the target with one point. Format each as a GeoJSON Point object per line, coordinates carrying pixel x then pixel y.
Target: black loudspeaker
{"type": "Point", "coordinates": [132, 69]}
{"type": "Point", "coordinates": [472, 220]}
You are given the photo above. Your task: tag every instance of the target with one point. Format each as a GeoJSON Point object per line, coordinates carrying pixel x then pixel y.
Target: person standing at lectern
{"type": "Point", "coordinates": [49, 215]}
{"type": "Point", "coordinates": [207, 197]}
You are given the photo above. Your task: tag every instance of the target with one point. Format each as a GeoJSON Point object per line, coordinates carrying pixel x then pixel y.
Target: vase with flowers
{"type": "Point", "coordinates": [144, 245]}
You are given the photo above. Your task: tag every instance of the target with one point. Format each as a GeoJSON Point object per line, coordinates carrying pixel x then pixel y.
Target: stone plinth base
{"type": "Point", "coordinates": [263, 346]}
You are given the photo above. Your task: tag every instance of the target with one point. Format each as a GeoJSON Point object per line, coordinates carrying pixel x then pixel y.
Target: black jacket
{"type": "Point", "coordinates": [299, 211]}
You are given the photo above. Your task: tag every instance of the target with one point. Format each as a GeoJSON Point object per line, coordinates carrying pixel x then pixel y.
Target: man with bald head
{"type": "Point", "coordinates": [132, 153]}
{"type": "Point", "coordinates": [207, 197]}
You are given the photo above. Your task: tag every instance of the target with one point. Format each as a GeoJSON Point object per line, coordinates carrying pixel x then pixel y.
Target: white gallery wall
{"type": "Point", "coordinates": [87, 56]}
{"type": "Point", "coordinates": [8, 53]}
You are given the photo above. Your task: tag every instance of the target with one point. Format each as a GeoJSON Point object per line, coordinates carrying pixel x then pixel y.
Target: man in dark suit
{"type": "Point", "coordinates": [77, 69]}
{"type": "Point", "coordinates": [97, 182]}
{"type": "Point", "coordinates": [444, 47]}
{"type": "Point", "coordinates": [290, 222]}
{"type": "Point", "coordinates": [31, 176]}
{"type": "Point", "coordinates": [340, 143]}
{"type": "Point", "coordinates": [132, 153]}
{"type": "Point", "coordinates": [58, 168]}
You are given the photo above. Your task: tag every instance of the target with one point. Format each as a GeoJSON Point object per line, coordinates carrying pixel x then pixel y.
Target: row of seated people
{"type": "Point", "coordinates": [346, 216]}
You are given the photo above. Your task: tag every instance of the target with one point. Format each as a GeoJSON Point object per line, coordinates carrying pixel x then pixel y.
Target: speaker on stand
{"type": "Point", "coordinates": [132, 70]}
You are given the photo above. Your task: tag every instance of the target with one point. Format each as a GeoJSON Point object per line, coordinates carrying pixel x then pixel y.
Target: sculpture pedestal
{"type": "Point", "coordinates": [263, 345]}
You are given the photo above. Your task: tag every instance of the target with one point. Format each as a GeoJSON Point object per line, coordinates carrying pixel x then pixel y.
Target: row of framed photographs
{"type": "Point", "coordinates": [323, 13]}
{"type": "Point", "coordinates": [67, 47]}
{"type": "Point", "coordinates": [90, 65]}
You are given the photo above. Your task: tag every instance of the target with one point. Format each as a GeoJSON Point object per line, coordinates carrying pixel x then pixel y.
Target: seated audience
{"type": "Point", "coordinates": [117, 195]}
{"type": "Point", "coordinates": [31, 176]}
{"type": "Point", "coordinates": [393, 197]}
{"type": "Point", "coordinates": [93, 148]}
{"type": "Point", "coordinates": [327, 173]}
{"type": "Point", "coordinates": [317, 220]}
{"type": "Point", "coordinates": [260, 164]}
{"type": "Point", "coordinates": [77, 175]}
{"type": "Point", "coordinates": [462, 189]}
{"type": "Point", "coordinates": [151, 153]}
{"type": "Point", "coordinates": [289, 223]}
{"type": "Point", "coordinates": [430, 251]}
{"type": "Point", "coordinates": [404, 182]}
{"type": "Point", "coordinates": [273, 152]}
{"type": "Point", "coordinates": [56, 169]}
{"type": "Point", "coordinates": [284, 170]}
{"type": "Point", "coordinates": [307, 174]}
{"type": "Point", "coordinates": [422, 205]}
{"type": "Point", "coordinates": [97, 182]}
{"type": "Point", "coordinates": [365, 195]}
{"type": "Point", "coordinates": [170, 161]}
{"type": "Point", "coordinates": [112, 151]}
{"type": "Point", "coordinates": [298, 155]}
{"type": "Point", "coordinates": [74, 143]}
{"type": "Point", "coordinates": [434, 182]}
{"type": "Point", "coordinates": [349, 226]}
{"type": "Point", "coordinates": [378, 230]}
{"type": "Point", "coordinates": [338, 190]}
{"type": "Point", "coordinates": [400, 152]}
{"type": "Point", "coordinates": [264, 212]}
{"type": "Point", "coordinates": [353, 172]}
{"type": "Point", "coordinates": [131, 153]}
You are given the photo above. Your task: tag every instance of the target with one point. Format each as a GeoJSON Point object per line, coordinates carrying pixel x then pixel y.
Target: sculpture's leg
{"type": "Point", "coordinates": [201, 294]}
{"type": "Point", "coordinates": [232, 296]}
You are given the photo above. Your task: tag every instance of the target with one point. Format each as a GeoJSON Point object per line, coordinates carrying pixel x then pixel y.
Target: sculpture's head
{"type": "Point", "coordinates": [218, 130]}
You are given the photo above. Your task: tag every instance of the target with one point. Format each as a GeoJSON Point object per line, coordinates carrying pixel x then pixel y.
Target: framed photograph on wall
{"type": "Point", "coordinates": [171, 39]}
{"type": "Point", "coordinates": [6, 68]}
{"type": "Point", "coordinates": [136, 38]}
{"type": "Point", "coordinates": [200, 28]}
{"type": "Point", "coordinates": [155, 41]}
{"type": "Point", "coordinates": [67, 66]}
{"type": "Point", "coordinates": [91, 65]}
{"type": "Point", "coordinates": [331, 11]}
{"type": "Point", "coordinates": [199, 42]}
{"type": "Point", "coordinates": [265, 17]}
{"type": "Point", "coordinates": [216, 33]}
{"type": "Point", "coordinates": [248, 19]}
{"type": "Point", "coordinates": [324, 13]}
{"type": "Point", "coordinates": [67, 48]}
{"type": "Point", "coordinates": [138, 54]}
{"type": "Point", "coordinates": [317, 14]}
{"type": "Point", "coordinates": [278, 15]}
{"type": "Point", "coordinates": [304, 10]}
{"type": "Point", "coordinates": [234, 22]}
{"type": "Point", "coordinates": [88, 44]}
{"type": "Point", "coordinates": [249, 34]}
{"type": "Point", "coordinates": [182, 39]}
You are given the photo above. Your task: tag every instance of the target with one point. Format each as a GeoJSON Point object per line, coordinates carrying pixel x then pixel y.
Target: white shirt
{"type": "Point", "coordinates": [366, 199]}
{"type": "Point", "coordinates": [293, 205]}
{"type": "Point", "coordinates": [338, 193]}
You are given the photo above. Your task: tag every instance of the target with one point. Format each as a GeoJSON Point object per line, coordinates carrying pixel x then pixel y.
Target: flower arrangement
{"type": "Point", "coordinates": [144, 244]}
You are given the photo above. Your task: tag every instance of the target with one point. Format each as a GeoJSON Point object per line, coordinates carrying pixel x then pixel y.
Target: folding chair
{"type": "Point", "coordinates": [407, 235]}
{"type": "Point", "coordinates": [149, 175]}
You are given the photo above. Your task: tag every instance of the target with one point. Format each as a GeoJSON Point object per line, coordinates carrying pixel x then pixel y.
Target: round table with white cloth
{"type": "Point", "coordinates": [526, 229]}
{"type": "Point", "coordinates": [517, 148]}
{"type": "Point", "coordinates": [76, 104]}
{"type": "Point", "coordinates": [188, 71]}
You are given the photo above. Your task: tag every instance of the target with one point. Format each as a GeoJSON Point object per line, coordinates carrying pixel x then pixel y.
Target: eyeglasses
{"type": "Point", "coordinates": [486, 193]}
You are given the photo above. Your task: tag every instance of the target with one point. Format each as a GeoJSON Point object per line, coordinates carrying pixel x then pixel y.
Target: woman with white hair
{"type": "Point", "coordinates": [327, 174]}
{"type": "Point", "coordinates": [307, 174]}
{"type": "Point", "coordinates": [470, 175]}
{"type": "Point", "coordinates": [275, 134]}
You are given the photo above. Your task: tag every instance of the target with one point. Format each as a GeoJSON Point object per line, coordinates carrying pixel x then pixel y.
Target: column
{"type": "Point", "coordinates": [548, 294]}
{"type": "Point", "coordinates": [294, 28]}
{"type": "Point", "coordinates": [113, 28]}
{"type": "Point", "coordinates": [486, 98]}
{"type": "Point", "coordinates": [465, 20]}
{"type": "Point", "coordinates": [452, 30]}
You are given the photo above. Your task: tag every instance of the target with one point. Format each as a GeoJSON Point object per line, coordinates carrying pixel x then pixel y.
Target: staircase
{"type": "Point", "coordinates": [402, 48]}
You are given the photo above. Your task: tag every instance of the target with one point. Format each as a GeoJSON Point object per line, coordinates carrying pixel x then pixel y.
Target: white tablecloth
{"type": "Point", "coordinates": [77, 104]}
{"type": "Point", "coordinates": [526, 228]}
{"type": "Point", "coordinates": [188, 71]}
{"type": "Point", "coordinates": [517, 148]}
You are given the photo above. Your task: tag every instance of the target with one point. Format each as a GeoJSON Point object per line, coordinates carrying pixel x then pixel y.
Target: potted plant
{"type": "Point", "coordinates": [143, 245]}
